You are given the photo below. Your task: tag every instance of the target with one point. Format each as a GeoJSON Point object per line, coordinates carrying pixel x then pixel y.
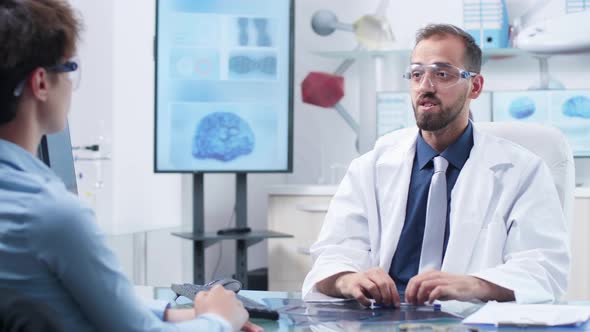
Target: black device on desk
{"type": "Point", "coordinates": [234, 230]}
{"type": "Point", "coordinates": [255, 309]}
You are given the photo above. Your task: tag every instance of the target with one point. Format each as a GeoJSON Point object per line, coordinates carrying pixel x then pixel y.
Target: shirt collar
{"type": "Point", "coordinates": [456, 153]}
{"type": "Point", "coordinates": [18, 158]}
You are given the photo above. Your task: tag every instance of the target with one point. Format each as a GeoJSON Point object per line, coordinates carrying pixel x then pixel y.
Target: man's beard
{"type": "Point", "coordinates": [431, 121]}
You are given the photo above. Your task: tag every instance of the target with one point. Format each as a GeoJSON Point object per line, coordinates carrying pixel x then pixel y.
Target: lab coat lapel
{"type": "Point", "coordinates": [393, 175]}
{"type": "Point", "coordinates": [471, 200]}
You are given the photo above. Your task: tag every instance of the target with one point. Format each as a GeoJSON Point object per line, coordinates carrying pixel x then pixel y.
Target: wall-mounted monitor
{"type": "Point", "coordinates": [224, 86]}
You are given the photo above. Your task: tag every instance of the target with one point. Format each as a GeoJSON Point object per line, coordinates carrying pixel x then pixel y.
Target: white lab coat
{"type": "Point", "coordinates": [506, 222]}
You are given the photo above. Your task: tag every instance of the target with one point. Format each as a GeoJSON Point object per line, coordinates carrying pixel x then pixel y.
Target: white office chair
{"type": "Point", "coordinates": [550, 145]}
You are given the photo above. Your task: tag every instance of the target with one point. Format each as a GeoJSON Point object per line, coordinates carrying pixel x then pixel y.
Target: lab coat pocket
{"type": "Point", "coordinates": [490, 245]}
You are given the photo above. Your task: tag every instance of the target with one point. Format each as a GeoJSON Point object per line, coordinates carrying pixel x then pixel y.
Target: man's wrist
{"type": "Point", "coordinates": [332, 285]}
{"type": "Point", "coordinates": [489, 291]}
{"type": "Point", "coordinates": [179, 315]}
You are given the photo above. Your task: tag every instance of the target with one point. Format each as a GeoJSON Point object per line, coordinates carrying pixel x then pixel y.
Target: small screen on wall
{"type": "Point", "coordinates": [224, 72]}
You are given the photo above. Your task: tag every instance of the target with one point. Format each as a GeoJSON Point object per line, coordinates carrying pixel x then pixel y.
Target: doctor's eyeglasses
{"type": "Point", "coordinates": [441, 75]}
{"type": "Point", "coordinates": [435, 328]}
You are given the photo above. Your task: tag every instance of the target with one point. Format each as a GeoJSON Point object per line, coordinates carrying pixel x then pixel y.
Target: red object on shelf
{"type": "Point", "coordinates": [322, 89]}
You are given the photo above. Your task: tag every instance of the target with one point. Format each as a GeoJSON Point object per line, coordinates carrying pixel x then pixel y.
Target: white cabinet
{"type": "Point", "coordinates": [579, 285]}
{"type": "Point", "coordinates": [300, 211]}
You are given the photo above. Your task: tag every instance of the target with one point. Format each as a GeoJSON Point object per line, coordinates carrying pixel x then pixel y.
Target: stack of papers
{"type": "Point", "coordinates": [512, 314]}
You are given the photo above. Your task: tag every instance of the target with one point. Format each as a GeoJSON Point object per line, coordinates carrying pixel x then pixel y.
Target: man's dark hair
{"type": "Point", "coordinates": [472, 55]}
{"type": "Point", "coordinates": [33, 33]}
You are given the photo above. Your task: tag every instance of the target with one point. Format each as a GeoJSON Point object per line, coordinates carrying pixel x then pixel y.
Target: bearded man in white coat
{"type": "Point", "coordinates": [443, 211]}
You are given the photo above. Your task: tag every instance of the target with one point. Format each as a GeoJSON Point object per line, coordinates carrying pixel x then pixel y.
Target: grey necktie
{"type": "Point", "coordinates": [436, 218]}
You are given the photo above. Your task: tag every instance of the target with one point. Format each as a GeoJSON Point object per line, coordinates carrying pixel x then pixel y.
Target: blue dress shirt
{"type": "Point", "coordinates": [406, 260]}
{"type": "Point", "coordinates": [52, 250]}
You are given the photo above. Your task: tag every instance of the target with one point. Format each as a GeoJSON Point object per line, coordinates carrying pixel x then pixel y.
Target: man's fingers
{"type": "Point", "coordinates": [411, 290]}
{"type": "Point", "coordinates": [442, 293]}
{"type": "Point", "coordinates": [395, 296]}
{"type": "Point", "coordinates": [384, 284]}
{"type": "Point", "coordinates": [371, 289]}
{"type": "Point", "coordinates": [425, 288]}
{"type": "Point", "coordinates": [415, 283]}
{"type": "Point", "coordinates": [360, 297]}
{"type": "Point", "coordinates": [250, 327]}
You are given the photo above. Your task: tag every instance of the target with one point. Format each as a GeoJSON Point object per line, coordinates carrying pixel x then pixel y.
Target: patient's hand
{"type": "Point", "coordinates": [373, 284]}
{"type": "Point", "coordinates": [223, 303]}
{"type": "Point", "coordinates": [436, 285]}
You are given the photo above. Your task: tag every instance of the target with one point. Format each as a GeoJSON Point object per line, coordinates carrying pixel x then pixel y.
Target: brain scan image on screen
{"type": "Point", "coordinates": [222, 136]}
{"type": "Point", "coordinates": [577, 107]}
{"type": "Point", "coordinates": [522, 108]}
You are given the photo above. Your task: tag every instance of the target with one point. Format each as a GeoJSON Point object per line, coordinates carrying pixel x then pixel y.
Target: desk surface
{"type": "Point", "coordinates": [286, 323]}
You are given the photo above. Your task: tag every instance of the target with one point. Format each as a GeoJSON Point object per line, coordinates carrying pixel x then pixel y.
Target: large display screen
{"type": "Point", "coordinates": [224, 72]}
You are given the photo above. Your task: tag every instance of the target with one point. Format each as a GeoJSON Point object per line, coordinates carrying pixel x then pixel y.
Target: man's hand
{"type": "Point", "coordinates": [437, 285]}
{"type": "Point", "coordinates": [373, 284]}
{"type": "Point", "coordinates": [223, 303]}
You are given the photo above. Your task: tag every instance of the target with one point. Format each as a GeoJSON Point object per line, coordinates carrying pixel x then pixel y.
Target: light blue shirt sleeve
{"type": "Point", "coordinates": [69, 242]}
{"type": "Point", "coordinates": [158, 307]}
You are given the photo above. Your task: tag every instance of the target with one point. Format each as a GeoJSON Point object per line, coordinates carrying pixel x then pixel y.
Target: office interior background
{"type": "Point", "coordinates": [138, 209]}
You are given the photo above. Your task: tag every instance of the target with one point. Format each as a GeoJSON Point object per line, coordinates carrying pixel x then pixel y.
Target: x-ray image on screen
{"type": "Point", "coordinates": [224, 86]}
{"type": "Point", "coordinates": [253, 31]}
{"type": "Point", "coordinates": [249, 65]}
{"type": "Point", "coordinates": [567, 110]}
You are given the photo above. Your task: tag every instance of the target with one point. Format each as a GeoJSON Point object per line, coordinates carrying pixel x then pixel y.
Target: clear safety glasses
{"type": "Point", "coordinates": [441, 75]}
{"type": "Point", "coordinates": [69, 67]}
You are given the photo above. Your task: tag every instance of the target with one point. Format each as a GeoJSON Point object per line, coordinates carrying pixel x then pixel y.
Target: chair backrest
{"type": "Point", "coordinates": [550, 145]}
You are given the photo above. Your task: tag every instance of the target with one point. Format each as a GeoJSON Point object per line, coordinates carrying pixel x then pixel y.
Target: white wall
{"type": "Point", "coordinates": [116, 101]}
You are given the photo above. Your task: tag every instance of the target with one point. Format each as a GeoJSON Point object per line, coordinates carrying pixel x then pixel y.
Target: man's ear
{"type": "Point", "coordinates": [476, 87]}
{"type": "Point", "coordinates": [39, 84]}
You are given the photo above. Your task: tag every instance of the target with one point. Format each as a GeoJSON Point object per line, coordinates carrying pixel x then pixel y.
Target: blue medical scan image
{"type": "Point", "coordinates": [243, 35]}
{"type": "Point", "coordinates": [254, 32]}
{"type": "Point", "coordinates": [522, 108]}
{"type": "Point", "coordinates": [194, 64]}
{"type": "Point", "coordinates": [242, 64]}
{"type": "Point", "coordinates": [577, 107]}
{"type": "Point", "coordinates": [223, 136]}
{"type": "Point", "coordinates": [263, 37]}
